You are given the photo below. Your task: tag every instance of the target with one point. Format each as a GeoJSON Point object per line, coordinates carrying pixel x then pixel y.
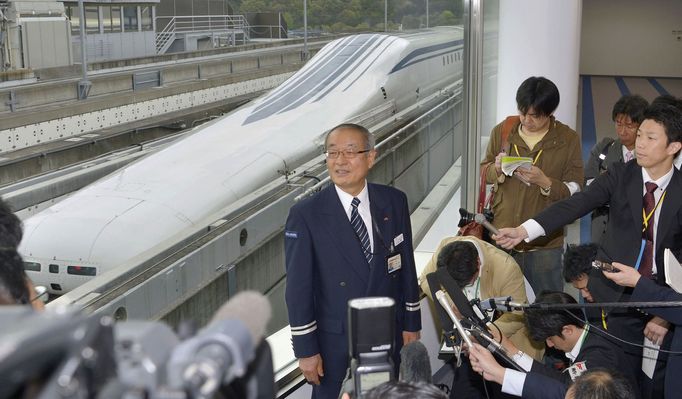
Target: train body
{"type": "Point", "coordinates": [148, 205]}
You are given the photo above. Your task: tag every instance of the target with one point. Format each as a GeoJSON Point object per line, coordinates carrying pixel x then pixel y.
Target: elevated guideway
{"type": "Point", "coordinates": [243, 247]}
{"type": "Point", "coordinates": [43, 126]}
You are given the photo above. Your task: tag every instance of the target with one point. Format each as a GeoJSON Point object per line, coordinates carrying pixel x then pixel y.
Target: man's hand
{"type": "Point", "coordinates": [656, 329]}
{"type": "Point", "coordinates": [510, 237]}
{"type": "Point", "coordinates": [534, 175]}
{"type": "Point", "coordinates": [498, 162]}
{"type": "Point", "coordinates": [312, 368]}
{"type": "Point", "coordinates": [410, 336]}
{"type": "Point", "coordinates": [483, 362]}
{"type": "Point", "coordinates": [626, 276]}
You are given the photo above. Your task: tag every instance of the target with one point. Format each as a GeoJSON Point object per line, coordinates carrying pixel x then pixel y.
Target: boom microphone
{"type": "Point", "coordinates": [414, 363]}
{"type": "Point", "coordinates": [442, 298]}
{"type": "Point", "coordinates": [222, 351]}
{"type": "Point", "coordinates": [501, 303]}
{"type": "Point", "coordinates": [481, 219]}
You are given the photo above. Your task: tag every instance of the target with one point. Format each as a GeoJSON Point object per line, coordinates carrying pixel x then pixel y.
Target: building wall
{"type": "Point", "coordinates": [631, 38]}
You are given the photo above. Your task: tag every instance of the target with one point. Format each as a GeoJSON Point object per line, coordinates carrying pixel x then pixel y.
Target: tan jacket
{"type": "Point", "coordinates": [501, 276]}
{"type": "Point", "coordinates": [560, 160]}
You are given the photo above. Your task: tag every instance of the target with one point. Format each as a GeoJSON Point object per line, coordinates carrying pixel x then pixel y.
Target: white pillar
{"type": "Point", "coordinates": [539, 38]}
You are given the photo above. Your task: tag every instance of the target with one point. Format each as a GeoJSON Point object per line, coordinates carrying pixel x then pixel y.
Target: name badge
{"type": "Point", "coordinates": [394, 263]}
{"type": "Point", "coordinates": [398, 239]}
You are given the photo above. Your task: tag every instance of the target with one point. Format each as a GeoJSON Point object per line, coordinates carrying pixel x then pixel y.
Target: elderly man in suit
{"type": "Point", "coordinates": [645, 199]}
{"type": "Point", "coordinates": [352, 239]}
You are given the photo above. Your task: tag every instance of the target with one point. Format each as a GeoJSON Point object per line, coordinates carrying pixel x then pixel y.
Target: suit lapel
{"type": "Point", "coordinates": [669, 208]}
{"type": "Point", "coordinates": [381, 220]}
{"type": "Point", "coordinates": [634, 193]}
{"type": "Point", "coordinates": [337, 225]}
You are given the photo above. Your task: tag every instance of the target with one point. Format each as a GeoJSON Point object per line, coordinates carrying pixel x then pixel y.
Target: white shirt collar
{"type": "Point", "coordinates": [346, 198]}
{"type": "Point", "coordinates": [573, 354]}
{"type": "Point", "coordinates": [662, 181]}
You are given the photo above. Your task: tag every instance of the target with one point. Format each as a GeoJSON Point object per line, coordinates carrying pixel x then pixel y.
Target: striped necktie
{"type": "Point", "coordinates": [360, 229]}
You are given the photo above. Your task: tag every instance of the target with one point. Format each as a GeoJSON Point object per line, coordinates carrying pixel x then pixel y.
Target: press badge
{"type": "Point", "coordinates": [577, 369]}
{"type": "Point", "coordinates": [394, 263]}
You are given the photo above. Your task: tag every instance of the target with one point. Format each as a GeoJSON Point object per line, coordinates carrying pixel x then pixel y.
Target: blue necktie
{"type": "Point", "coordinates": [360, 229]}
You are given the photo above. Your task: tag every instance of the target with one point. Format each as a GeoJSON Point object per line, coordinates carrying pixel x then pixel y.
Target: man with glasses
{"type": "Point", "coordinates": [627, 114]}
{"type": "Point", "coordinates": [556, 173]}
{"type": "Point", "coordinates": [352, 239]}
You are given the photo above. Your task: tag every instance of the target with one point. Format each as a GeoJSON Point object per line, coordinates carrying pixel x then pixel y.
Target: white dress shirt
{"type": "Point", "coordinates": [363, 209]}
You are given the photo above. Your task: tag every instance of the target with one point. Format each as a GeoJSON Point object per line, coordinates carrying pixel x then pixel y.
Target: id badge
{"type": "Point", "coordinates": [394, 263]}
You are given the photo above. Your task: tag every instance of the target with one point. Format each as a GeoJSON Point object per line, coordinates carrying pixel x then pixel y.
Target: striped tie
{"type": "Point", "coordinates": [360, 229]}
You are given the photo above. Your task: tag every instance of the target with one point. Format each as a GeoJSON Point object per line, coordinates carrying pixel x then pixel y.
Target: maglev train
{"type": "Point", "coordinates": [160, 199]}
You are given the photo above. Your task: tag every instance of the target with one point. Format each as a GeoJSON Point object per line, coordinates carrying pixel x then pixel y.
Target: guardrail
{"type": "Point", "coordinates": [220, 26]}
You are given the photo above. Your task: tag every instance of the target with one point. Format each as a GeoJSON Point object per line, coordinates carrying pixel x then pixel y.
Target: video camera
{"type": "Point", "coordinates": [69, 354]}
{"type": "Point", "coordinates": [371, 324]}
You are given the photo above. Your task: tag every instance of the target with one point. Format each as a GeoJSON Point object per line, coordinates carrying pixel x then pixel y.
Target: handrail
{"type": "Point", "coordinates": [217, 25]}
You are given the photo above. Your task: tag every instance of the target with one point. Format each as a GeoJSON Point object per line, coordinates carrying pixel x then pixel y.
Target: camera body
{"type": "Point", "coordinates": [371, 324]}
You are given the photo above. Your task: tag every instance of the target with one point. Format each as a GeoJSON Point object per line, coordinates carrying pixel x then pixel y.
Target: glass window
{"type": "Point", "coordinates": [81, 270]}
{"type": "Point", "coordinates": [146, 17]}
{"type": "Point", "coordinates": [116, 18]}
{"type": "Point", "coordinates": [91, 20]}
{"type": "Point", "coordinates": [106, 19]}
{"type": "Point", "coordinates": [32, 266]}
{"type": "Point", "coordinates": [130, 18]}
{"type": "Point", "coordinates": [54, 268]}
{"type": "Point", "coordinates": [74, 16]}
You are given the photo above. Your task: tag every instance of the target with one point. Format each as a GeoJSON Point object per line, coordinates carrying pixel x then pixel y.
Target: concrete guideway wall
{"type": "Point", "coordinates": [60, 128]}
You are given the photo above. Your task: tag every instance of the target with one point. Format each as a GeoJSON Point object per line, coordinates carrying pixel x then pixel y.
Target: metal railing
{"type": "Point", "coordinates": [228, 27]}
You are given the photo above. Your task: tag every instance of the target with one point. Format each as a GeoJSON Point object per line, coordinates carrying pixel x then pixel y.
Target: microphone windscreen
{"type": "Point", "coordinates": [414, 363]}
{"type": "Point", "coordinates": [251, 308]}
{"type": "Point", "coordinates": [479, 218]}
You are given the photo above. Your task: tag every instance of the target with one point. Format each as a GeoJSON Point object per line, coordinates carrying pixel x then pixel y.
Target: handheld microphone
{"type": "Point", "coordinates": [497, 349]}
{"type": "Point", "coordinates": [414, 363]}
{"type": "Point", "coordinates": [442, 298]}
{"type": "Point", "coordinates": [223, 350]}
{"type": "Point", "coordinates": [481, 219]}
{"type": "Point", "coordinates": [501, 303]}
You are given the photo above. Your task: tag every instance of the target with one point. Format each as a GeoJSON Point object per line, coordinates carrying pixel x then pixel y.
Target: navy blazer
{"type": "Point", "coordinates": [646, 290]}
{"type": "Point", "coordinates": [621, 186]}
{"type": "Point", "coordinates": [326, 268]}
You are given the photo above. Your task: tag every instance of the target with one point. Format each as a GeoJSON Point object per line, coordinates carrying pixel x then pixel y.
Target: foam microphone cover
{"type": "Point", "coordinates": [251, 308]}
{"type": "Point", "coordinates": [414, 363]}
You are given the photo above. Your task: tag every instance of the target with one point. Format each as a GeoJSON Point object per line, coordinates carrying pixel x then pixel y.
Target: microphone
{"type": "Point", "coordinates": [480, 219]}
{"type": "Point", "coordinates": [223, 350]}
{"type": "Point", "coordinates": [445, 303]}
{"type": "Point", "coordinates": [501, 303]}
{"type": "Point", "coordinates": [414, 363]}
{"type": "Point", "coordinates": [496, 348]}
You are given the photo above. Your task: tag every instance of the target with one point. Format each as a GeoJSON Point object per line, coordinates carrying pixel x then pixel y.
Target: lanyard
{"type": "Point", "coordinates": [646, 218]}
{"type": "Point", "coordinates": [603, 319]}
{"type": "Point", "coordinates": [536, 157]}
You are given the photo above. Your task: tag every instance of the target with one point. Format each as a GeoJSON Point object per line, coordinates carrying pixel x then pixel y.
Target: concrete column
{"type": "Point", "coordinates": [539, 38]}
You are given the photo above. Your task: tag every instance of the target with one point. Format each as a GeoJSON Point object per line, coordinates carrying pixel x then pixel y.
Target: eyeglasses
{"type": "Point", "coordinates": [348, 154]}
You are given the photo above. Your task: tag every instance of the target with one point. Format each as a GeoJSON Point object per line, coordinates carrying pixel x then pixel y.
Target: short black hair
{"type": "Point", "coordinates": [10, 227]}
{"type": "Point", "coordinates": [544, 323]}
{"type": "Point", "coordinates": [630, 105]}
{"type": "Point", "coordinates": [538, 93]}
{"type": "Point", "coordinates": [405, 390]}
{"type": "Point", "coordinates": [668, 99]}
{"type": "Point", "coordinates": [578, 260]}
{"type": "Point", "coordinates": [669, 117]}
{"type": "Point", "coordinates": [460, 259]}
{"type": "Point", "coordinates": [13, 279]}
{"type": "Point", "coordinates": [369, 137]}
{"type": "Point", "coordinates": [602, 383]}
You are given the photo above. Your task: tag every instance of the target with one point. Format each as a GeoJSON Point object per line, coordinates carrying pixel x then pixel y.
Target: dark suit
{"type": "Point", "coordinates": [647, 290]}
{"type": "Point", "coordinates": [596, 352]}
{"type": "Point", "coordinates": [622, 188]}
{"type": "Point", "coordinates": [326, 267]}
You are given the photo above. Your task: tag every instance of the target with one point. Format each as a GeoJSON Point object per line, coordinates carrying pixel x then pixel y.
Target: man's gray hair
{"type": "Point", "coordinates": [370, 142]}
